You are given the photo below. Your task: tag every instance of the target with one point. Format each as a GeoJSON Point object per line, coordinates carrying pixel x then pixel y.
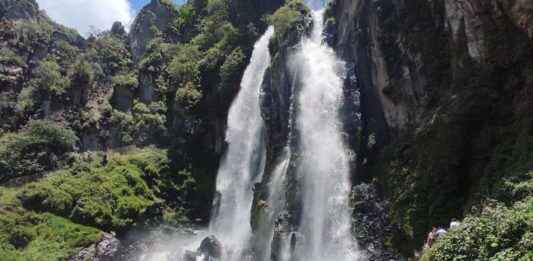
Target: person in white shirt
{"type": "Point", "coordinates": [454, 224]}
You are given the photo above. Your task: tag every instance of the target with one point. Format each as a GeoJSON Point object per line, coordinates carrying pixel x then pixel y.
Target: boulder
{"type": "Point", "coordinates": [211, 247]}
{"type": "Point", "coordinates": [103, 250]}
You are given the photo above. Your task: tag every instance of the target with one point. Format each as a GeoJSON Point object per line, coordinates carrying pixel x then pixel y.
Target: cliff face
{"type": "Point", "coordinates": [444, 87]}
{"type": "Point", "coordinates": [16, 9]}
{"type": "Point", "coordinates": [156, 17]}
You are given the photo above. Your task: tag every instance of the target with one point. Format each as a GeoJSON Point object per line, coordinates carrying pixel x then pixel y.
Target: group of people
{"type": "Point", "coordinates": [437, 233]}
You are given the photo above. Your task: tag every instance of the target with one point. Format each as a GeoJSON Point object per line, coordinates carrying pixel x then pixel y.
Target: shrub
{"type": "Point", "coordinates": [126, 81]}
{"type": "Point", "coordinates": [49, 78]}
{"type": "Point", "coordinates": [83, 73]}
{"type": "Point", "coordinates": [129, 189]}
{"type": "Point", "coordinates": [149, 121]}
{"type": "Point", "coordinates": [9, 57]}
{"type": "Point", "coordinates": [500, 233]}
{"type": "Point", "coordinates": [188, 96]}
{"type": "Point", "coordinates": [112, 55]}
{"type": "Point", "coordinates": [231, 70]}
{"type": "Point", "coordinates": [184, 66]}
{"type": "Point", "coordinates": [285, 17]}
{"type": "Point", "coordinates": [35, 149]}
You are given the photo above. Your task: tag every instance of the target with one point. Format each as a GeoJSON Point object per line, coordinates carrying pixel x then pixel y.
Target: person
{"type": "Point", "coordinates": [431, 237]}
{"type": "Point", "coordinates": [454, 224]}
{"type": "Point", "coordinates": [440, 233]}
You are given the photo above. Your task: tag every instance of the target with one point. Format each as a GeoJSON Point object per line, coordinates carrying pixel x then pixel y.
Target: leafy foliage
{"type": "Point", "coordinates": [130, 188]}
{"type": "Point", "coordinates": [499, 233]}
{"type": "Point", "coordinates": [285, 17]}
{"type": "Point", "coordinates": [32, 236]}
{"type": "Point", "coordinates": [231, 70]}
{"type": "Point", "coordinates": [10, 58]}
{"type": "Point", "coordinates": [127, 81]}
{"type": "Point", "coordinates": [35, 149]}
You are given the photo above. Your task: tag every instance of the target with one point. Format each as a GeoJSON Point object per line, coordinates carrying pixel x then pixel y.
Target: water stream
{"type": "Point", "coordinates": [243, 164]}
{"type": "Point", "coordinates": [319, 160]}
{"type": "Point", "coordinates": [325, 226]}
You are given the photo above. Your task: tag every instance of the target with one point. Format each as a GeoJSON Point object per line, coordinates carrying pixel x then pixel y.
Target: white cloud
{"type": "Point", "coordinates": [87, 15]}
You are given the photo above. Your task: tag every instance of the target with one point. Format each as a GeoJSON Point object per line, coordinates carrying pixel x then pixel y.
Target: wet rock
{"type": "Point", "coordinates": [211, 247]}
{"type": "Point", "coordinates": [371, 223]}
{"type": "Point", "coordinates": [104, 250]}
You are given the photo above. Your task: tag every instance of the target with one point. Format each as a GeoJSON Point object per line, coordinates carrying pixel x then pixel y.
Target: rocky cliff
{"type": "Point", "coordinates": [444, 87]}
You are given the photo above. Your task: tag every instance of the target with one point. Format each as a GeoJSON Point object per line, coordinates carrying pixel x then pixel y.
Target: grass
{"type": "Point", "coordinates": [27, 235]}
{"type": "Point", "coordinates": [56, 216]}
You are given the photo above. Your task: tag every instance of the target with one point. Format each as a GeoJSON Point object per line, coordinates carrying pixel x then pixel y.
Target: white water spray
{"type": "Point", "coordinates": [242, 166]}
{"type": "Point", "coordinates": [324, 164]}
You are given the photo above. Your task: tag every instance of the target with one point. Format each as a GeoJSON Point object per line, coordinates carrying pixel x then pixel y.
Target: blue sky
{"type": "Point", "coordinates": [90, 16]}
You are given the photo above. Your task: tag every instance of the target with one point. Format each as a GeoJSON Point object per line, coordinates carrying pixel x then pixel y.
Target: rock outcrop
{"type": "Point", "coordinates": [210, 250]}
{"type": "Point", "coordinates": [19, 9]}
{"type": "Point", "coordinates": [153, 19]}
{"type": "Point", "coordinates": [104, 250]}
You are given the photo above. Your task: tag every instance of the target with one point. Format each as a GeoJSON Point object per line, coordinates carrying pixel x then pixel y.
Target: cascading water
{"type": "Point", "coordinates": [242, 166]}
{"type": "Point", "coordinates": [316, 4]}
{"type": "Point", "coordinates": [323, 164]}
{"type": "Point", "coordinates": [319, 160]}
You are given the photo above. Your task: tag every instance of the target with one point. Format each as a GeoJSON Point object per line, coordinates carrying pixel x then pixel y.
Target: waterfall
{"type": "Point", "coordinates": [316, 4]}
{"type": "Point", "coordinates": [243, 163]}
{"type": "Point", "coordinates": [323, 164]}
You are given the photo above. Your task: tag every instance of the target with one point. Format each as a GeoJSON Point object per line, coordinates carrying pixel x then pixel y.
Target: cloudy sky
{"type": "Point", "coordinates": [92, 15]}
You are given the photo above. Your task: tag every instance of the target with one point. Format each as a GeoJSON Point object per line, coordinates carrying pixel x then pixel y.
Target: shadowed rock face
{"type": "Point", "coordinates": [404, 50]}
{"type": "Point", "coordinates": [437, 79]}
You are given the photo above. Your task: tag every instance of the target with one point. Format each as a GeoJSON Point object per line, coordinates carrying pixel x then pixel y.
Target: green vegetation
{"type": "Point", "coordinates": [290, 22]}
{"type": "Point", "coordinates": [149, 122]}
{"type": "Point", "coordinates": [10, 58]}
{"type": "Point", "coordinates": [32, 236]}
{"type": "Point", "coordinates": [232, 68]}
{"type": "Point", "coordinates": [50, 79]}
{"type": "Point", "coordinates": [111, 54]}
{"type": "Point", "coordinates": [67, 95]}
{"type": "Point", "coordinates": [112, 197]}
{"type": "Point", "coordinates": [39, 147]}
{"type": "Point", "coordinates": [42, 220]}
{"type": "Point", "coordinates": [287, 16]}
{"type": "Point", "coordinates": [126, 81]}
{"type": "Point", "coordinates": [499, 233]}
{"type": "Point", "coordinates": [83, 74]}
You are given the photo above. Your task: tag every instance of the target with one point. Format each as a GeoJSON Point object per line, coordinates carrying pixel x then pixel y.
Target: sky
{"type": "Point", "coordinates": [92, 15]}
